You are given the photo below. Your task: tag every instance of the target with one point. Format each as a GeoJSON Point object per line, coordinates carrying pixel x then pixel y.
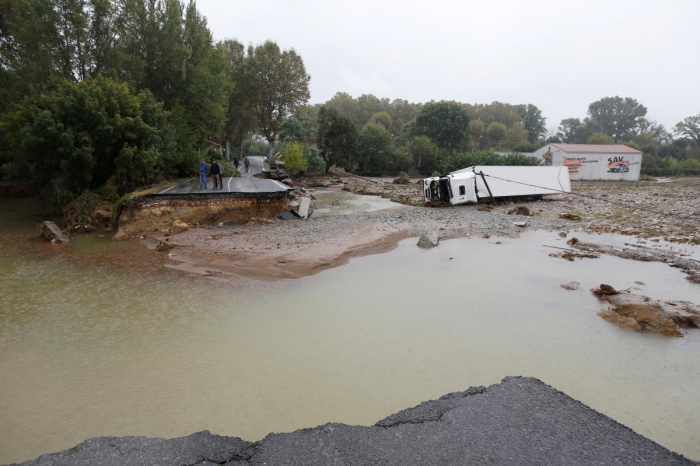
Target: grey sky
{"type": "Point", "coordinates": [559, 55]}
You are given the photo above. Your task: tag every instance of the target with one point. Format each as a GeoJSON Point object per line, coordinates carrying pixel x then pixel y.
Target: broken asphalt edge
{"type": "Point", "coordinates": [518, 421]}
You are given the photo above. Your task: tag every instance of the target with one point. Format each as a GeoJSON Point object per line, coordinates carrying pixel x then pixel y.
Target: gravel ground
{"type": "Point", "coordinates": [288, 249]}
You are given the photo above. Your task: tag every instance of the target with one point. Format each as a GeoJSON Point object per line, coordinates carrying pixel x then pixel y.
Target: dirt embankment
{"type": "Point", "coordinates": [288, 249]}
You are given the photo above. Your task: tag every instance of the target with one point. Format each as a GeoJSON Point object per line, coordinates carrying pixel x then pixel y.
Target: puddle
{"type": "Point", "coordinates": [92, 346]}
{"type": "Point", "coordinates": [348, 203]}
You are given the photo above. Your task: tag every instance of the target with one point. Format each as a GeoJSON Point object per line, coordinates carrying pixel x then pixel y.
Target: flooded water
{"type": "Point", "coordinates": [343, 203]}
{"type": "Point", "coordinates": [97, 339]}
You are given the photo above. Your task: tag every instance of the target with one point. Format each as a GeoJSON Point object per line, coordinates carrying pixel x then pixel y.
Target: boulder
{"type": "Point", "coordinates": [625, 322]}
{"type": "Point", "coordinates": [164, 246]}
{"type": "Point", "coordinates": [178, 226]}
{"type": "Point", "coordinates": [51, 232]}
{"type": "Point", "coordinates": [521, 210]}
{"type": "Point", "coordinates": [570, 286]}
{"type": "Point", "coordinates": [660, 317]}
{"type": "Point", "coordinates": [520, 224]}
{"type": "Point", "coordinates": [428, 241]}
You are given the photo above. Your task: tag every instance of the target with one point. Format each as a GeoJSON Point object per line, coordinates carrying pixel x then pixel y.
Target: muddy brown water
{"type": "Point", "coordinates": [96, 338]}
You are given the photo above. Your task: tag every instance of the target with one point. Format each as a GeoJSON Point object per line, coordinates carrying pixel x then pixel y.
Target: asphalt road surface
{"type": "Point", "coordinates": [520, 421]}
{"type": "Point", "coordinates": [230, 185]}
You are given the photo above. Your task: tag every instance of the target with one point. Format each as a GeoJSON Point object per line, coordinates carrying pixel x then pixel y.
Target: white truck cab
{"type": "Point", "coordinates": [469, 185]}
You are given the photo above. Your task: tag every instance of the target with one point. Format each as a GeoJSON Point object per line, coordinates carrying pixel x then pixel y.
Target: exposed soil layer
{"type": "Point", "coordinates": [519, 421]}
{"type": "Point", "coordinates": [170, 216]}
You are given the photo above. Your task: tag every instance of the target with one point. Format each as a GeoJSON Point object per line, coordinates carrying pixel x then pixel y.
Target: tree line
{"type": "Point", "coordinates": [128, 92]}
{"type": "Point", "coordinates": [617, 120]}
{"type": "Point", "coordinates": [125, 93]}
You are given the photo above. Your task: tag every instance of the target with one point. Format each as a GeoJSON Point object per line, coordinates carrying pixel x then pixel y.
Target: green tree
{"type": "Point", "coordinates": [515, 136]}
{"type": "Point", "coordinates": [423, 152]}
{"type": "Point", "coordinates": [297, 129]}
{"type": "Point", "coordinates": [80, 135]}
{"type": "Point", "coordinates": [382, 118]}
{"type": "Point", "coordinates": [572, 131]}
{"type": "Point", "coordinates": [600, 138]}
{"type": "Point", "coordinates": [616, 117]}
{"type": "Point", "coordinates": [477, 133]}
{"type": "Point", "coordinates": [337, 139]}
{"type": "Point", "coordinates": [293, 154]}
{"type": "Point", "coordinates": [314, 162]}
{"type": "Point", "coordinates": [374, 148]}
{"type": "Point", "coordinates": [280, 85]}
{"type": "Point", "coordinates": [496, 134]}
{"type": "Point", "coordinates": [445, 123]}
{"type": "Point", "coordinates": [533, 121]}
{"type": "Point", "coordinates": [689, 129]}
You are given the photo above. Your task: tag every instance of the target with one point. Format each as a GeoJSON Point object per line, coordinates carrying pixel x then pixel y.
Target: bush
{"type": "Point", "coordinates": [402, 179]}
{"type": "Point", "coordinates": [79, 211]}
{"type": "Point", "coordinates": [314, 161]}
{"type": "Point", "coordinates": [294, 160]}
{"type": "Point", "coordinates": [230, 169]}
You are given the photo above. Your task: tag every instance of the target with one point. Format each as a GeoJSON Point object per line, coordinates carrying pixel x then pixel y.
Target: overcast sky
{"type": "Point", "coordinates": [559, 55]}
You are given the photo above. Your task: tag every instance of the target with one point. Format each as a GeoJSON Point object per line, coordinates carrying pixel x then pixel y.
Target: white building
{"type": "Point", "coordinates": [594, 161]}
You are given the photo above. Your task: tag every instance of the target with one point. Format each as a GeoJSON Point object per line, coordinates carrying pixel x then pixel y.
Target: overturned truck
{"type": "Point", "coordinates": [473, 184]}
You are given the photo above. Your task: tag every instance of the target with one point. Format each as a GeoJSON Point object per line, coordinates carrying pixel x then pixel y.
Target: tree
{"type": "Point", "coordinates": [423, 152]}
{"type": "Point", "coordinates": [314, 162]}
{"type": "Point", "coordinates": [497, 111]}
{"type": "Point", "coordinates": [689, 129]}
{"type": "Point", "coordinates": [80, 135]}
{"type": "Point", "coordinates": [280, 85]}
{"type": "Point", "coordinates": [477, 133]}
{"type": "Point", "coordinates": [382, 118]}
{"type": "Point", "coordinates": [496, 134]}
{"type": "Point", "coordinates": [600, 138]}
{"type": "Point", "coordinates": [445, 123]}
{"type": "Point", "coordinates": [616, 117]}
{"type": "Point", "coordinates": [297, 129]}
{"type": "Point", "coordinates": [515, 136]}
{"type": "Point", "coordinates": [533, 121]}
{"type": "Point", "coordinates": [374, 148]}
{"type": "Point", "coordinates": [293, 154]}
{"type": "Point", "coordinates": [572, 131]}
{"type": "Point", "coordinates": [337, 139]}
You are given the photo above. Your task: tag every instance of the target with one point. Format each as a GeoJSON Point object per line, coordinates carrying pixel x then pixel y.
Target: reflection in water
{"type": "Point", "coordinates": [97, 339]}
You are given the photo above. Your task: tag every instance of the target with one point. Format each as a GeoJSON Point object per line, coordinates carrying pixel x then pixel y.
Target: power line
{"type": "Point", "coordinates": [649, 209]}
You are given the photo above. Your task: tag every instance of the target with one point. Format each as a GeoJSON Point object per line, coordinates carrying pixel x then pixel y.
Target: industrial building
{"type": "Point", "coordinates": [594, 161]}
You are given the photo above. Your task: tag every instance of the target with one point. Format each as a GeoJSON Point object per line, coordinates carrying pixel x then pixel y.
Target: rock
{"type": "Point", "coordinates": [178, 226]}
{"type": "Point", "coordinates": [335, 203]}
{"type": "Point", "coordinates": [625, 322]}
{"type": "Point", "coordinates": [485, 208]}
{"type": "Point", "coordinates": [652, 316]}
{"type": "Point", "coordinates": [428, 241]}
{"type": "Point", "coordinates": [51, 232]}
{"type": "Point", "coordinates": [520, 224]}
{"type": "Point", "coordinates": [486, 236]}
{"type": "Point", "coordinates": [570, 285]}
{"type": "Point", "coordinates": [164, 246]}
{"type": "Point", "coordinates": [569, 216]}
{"type": "Point", "coordinates": [521, 210]}
{"type": "Point", "coordinates": [562, 234]}
{"type": "Point", "coordinates": [572, 241]}
{"type": "Point", "coordinates": [604, 290]}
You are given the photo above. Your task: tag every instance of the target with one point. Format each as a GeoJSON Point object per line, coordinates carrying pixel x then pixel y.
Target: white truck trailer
{"type": "Point", "coordinates": [470, 185]}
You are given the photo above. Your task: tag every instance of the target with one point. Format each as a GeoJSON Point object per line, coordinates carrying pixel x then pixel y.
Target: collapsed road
{"type": "Point", "coordinates": [518, 421]}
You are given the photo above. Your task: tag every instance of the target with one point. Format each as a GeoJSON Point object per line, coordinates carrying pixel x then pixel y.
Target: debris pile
{"type": "Point", "coordinates": [50, 232]}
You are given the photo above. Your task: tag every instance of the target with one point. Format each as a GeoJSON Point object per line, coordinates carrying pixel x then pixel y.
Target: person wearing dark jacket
{"type": "Point", "coordinates": [216, 174]}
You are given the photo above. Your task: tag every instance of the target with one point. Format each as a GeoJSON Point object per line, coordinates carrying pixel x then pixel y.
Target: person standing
{"type": "Point", "coordinates": [203, 168]}
{"type": "Point", "coordinates": [221, 174]}
{"type": "Point", "coordinates": [246, 162]}
{"type": "Point", "coordinates": [215, 174]}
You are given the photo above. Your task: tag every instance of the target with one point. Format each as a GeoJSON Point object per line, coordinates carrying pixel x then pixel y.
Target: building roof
{"type": "Point", "coordinates": [597, 148]}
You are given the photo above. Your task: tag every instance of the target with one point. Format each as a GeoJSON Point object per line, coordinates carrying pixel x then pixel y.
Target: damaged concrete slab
{"type": "Point", "coordinates": [519, 421]}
